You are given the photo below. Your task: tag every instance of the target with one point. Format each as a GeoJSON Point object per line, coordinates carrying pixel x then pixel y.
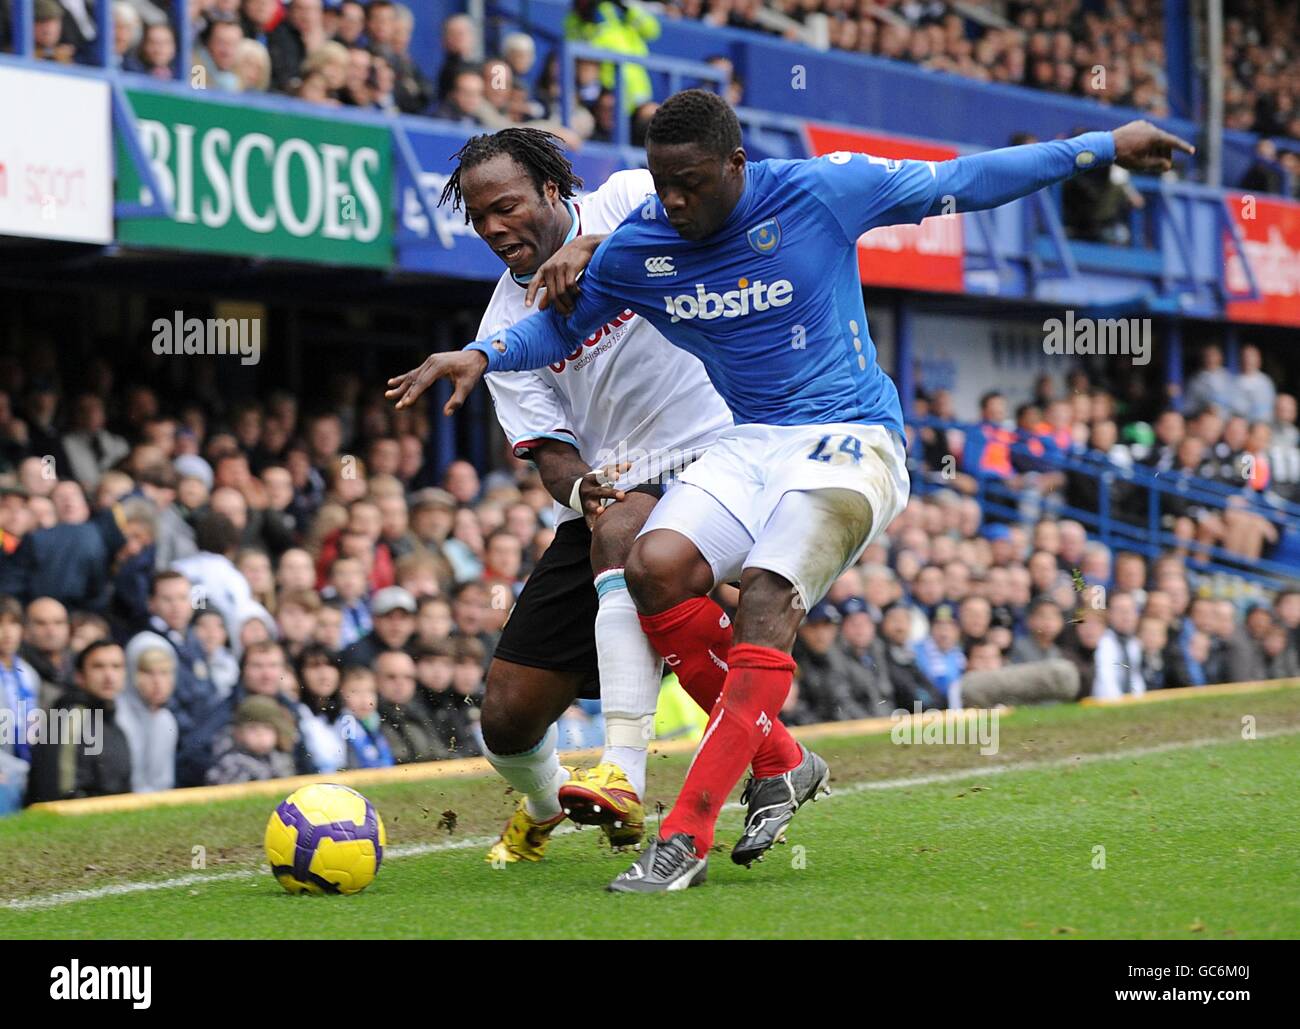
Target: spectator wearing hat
{"type": "Point", "coordinates": [392, 611]}
{"type": "Point", "coordinates": [263, 673]}
{"type": "Point", "coordinates": [433, 517]}
{"type": "Point", "coordinates": [939, 655]}
{"type": "Point", "coordinates": [72, 766]}
{"type": "Point", "coordinates": [828, 676]}
{"type": "Point", "coordinates": [143, 713]}
{"type": "Point", "coordinates": [171, 610]}
{"type": "Point", "coordinates": [862, 643]}
{"type": "Point", "coordinates": [262, 738]}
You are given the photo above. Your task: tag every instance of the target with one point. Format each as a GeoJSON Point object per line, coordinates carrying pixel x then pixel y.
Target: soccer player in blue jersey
{"type": "Point", "coordinates": [752, 267]}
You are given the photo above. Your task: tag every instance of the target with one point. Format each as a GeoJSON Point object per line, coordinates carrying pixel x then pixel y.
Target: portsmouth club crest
{"type": "Point", "coordinates": [765, 237]}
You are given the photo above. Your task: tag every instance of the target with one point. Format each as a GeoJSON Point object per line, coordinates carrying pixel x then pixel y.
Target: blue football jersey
{"type": "Point", "coordinates": [771, 303]}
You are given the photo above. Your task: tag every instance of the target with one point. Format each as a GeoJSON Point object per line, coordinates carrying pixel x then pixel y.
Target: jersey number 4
{"type": "Point", "coordinates": [827, 451]}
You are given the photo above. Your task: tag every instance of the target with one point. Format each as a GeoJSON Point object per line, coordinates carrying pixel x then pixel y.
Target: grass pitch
{"type": "Point", "coordinates": [1149, 820]}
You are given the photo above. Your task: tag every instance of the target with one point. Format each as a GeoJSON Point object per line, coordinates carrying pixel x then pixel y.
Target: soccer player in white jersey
{"type": "Point", "coordinates": [624, 397]}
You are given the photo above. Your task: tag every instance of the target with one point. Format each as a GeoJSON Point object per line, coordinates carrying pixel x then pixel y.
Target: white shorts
{"type": "Point", "coordinates": [756, 500]}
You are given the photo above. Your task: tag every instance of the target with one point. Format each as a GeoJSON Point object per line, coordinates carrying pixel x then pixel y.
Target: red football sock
{"type": "Point", "coordinates": [694, 637]}
{"type": "Point", "coordinates": [756, 687]}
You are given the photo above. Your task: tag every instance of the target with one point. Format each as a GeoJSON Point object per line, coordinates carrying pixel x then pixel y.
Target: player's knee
{"type": "Point", "coordinates": [508, 726]}
{"type": "Point", "coordinates": [663, 569]}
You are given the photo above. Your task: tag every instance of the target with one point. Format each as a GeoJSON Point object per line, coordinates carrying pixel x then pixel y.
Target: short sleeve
{"type": "Point", "coordinates": [529, 410]}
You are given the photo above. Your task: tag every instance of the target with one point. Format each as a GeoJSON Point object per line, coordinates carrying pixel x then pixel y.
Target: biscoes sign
{"type": "Point", "coordinates": [54, 184]}
{"type": "Point", "coordinates": [258, 182]}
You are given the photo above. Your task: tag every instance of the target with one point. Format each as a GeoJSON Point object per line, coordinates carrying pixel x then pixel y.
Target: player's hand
{"type": "Point", "coordinates": [559, 275]}
{"type": "Point", "coordinates": [1141, 147]}
{"type": "Point", "coordinates": [463, 367]}
{"type": "Point", "coordinates": [596, 490]}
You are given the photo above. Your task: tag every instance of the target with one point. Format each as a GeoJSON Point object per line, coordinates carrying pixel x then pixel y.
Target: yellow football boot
{"type": "Point", "coordinates": [523, 839]}
{"type": "Point", "coordinates": [603, 796]}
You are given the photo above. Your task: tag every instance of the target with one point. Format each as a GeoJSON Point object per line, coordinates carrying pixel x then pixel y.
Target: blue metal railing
{"type": "Point", "coordinates": [1130, 515]}
{"type": "Point", "coordinates": [677, 70]}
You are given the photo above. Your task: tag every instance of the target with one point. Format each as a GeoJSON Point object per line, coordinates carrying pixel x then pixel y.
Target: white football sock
{"type": "Point", "coordinates": [536, 773]}
{"type": "Point", "coordinates": [629, 678]}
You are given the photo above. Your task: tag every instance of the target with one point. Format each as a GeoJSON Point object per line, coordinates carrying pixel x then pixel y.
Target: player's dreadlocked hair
{"type": "Point", "coordinates": [535, 151]}
{"type": "Point", "coordinates": [696, 116]}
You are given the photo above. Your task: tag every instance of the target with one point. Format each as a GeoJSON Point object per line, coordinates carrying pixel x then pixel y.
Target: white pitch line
{"type": "Point", "coordinates": [409, 850]}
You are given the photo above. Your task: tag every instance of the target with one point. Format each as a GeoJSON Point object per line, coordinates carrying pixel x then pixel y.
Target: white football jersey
{"type": "Point", "coordinates": [625, 393]}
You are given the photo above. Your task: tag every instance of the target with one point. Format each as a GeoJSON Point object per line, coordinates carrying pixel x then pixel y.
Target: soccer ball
{"type": "Point", "coordinates": [325, 838]}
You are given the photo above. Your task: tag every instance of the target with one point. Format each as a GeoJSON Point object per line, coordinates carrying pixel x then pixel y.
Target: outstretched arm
{"type": "Point", "coordinates": [981, 181]}
{"type": "Point", "coordinates": [548, 337]}
{"type": "Point", "coordinates": [862, 192]}
{"type": "Point", "coordinates": [545, 338]}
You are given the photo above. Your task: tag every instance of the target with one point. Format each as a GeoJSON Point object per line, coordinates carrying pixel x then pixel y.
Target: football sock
{"type": "Point", "coordinates": [629, 678]}
{"type": "Point", "coordinates": [756, 687]}
{"type": "Point", "coordinates": [695, 638]}
{"type": "Point", "coordinates": [536, 773]}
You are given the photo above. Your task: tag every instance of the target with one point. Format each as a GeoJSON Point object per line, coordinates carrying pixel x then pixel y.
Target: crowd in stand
{"type": "Point", "coordinates": [1057, 45]}
{"type": "Point", "coordinates": [244, 591]}
{"type": "Point", "coordinates": [1229, 455]}
{"type": "Point", "coordinates": [356, 53]}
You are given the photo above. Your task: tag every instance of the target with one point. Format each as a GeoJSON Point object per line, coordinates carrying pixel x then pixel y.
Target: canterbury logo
{"type": "Point", "coordinates": [672, 660]}
{"type": "Point", "coordinates": [657, 266]}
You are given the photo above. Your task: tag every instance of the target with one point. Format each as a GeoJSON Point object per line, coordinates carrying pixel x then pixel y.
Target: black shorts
{"type": "Point", "coordinates": [553, 623]}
